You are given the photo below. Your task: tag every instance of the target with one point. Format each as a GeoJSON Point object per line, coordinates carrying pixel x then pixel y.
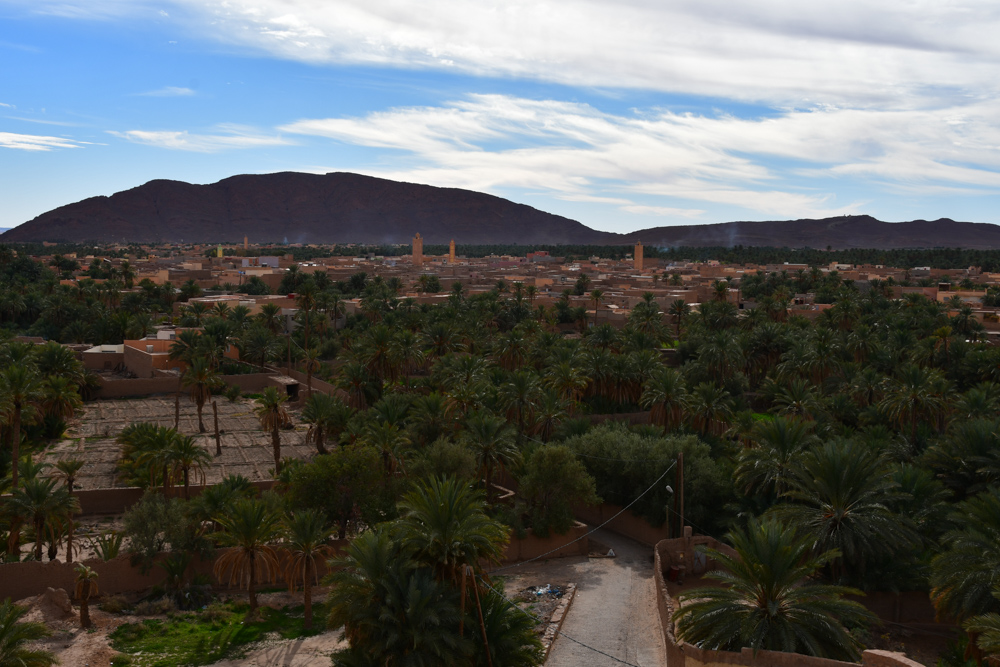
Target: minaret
{"type": "Point", "coordinates": [246, 243]}
{"type": "Point", "coordinates": [637, 256]}
{"type": "Point", "coordinates": [451, 252]}
{"type": "Point", "coordinates": [418, 250]}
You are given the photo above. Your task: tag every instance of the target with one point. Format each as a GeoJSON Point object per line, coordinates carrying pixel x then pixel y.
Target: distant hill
{"type": "Point", "coordinates": [301, 208]}
{"type": "Point", "coordinates": [851, 231]}
{"type": "Point", "coordinates": [350, 208]}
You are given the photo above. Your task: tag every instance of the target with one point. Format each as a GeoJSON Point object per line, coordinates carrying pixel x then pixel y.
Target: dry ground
{"type": "Point", "coordinates": [246, 449]}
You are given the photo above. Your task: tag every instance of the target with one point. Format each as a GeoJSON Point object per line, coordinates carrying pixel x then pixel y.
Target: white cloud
{"type": "Point", "coordinates": [33, 142]}
{"type": "Point", "coordinates": [8, 106]}
{"type": "Point", "coordinates": [231, 137]}
{"type": "Point", "coordinates": [576, 153]}
{"type": "Point", "coordinates": [169, 91]}
{"type": "Point", "coordinates": [862, 52]}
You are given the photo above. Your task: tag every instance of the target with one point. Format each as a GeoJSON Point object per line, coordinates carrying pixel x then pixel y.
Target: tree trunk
{"type": "Point", "coordinates": [250, 587]}
{"type": "Point", "coordinates": [320, 441]}
{"type": "Point", "coordinates": [307, 622]}
{"type": "Point", "coordinates": [215, 416]}
{"type": "Point", "coordinates": [15, 445]}
{"type": "Point", "coordinates": [201, 424]}
{"type": "Point", "coordinates": [177, 413]}
{"type": "Point", "coordinates": [69, 542]}
{"type": "Point", "coordinates": [276, 445]}
{"type": "Point", "coordinates": [39, 529]}
{"type": "Point", "coordinates": [187, 493]}
{"type": "Point", "coordinates": [85, 607]}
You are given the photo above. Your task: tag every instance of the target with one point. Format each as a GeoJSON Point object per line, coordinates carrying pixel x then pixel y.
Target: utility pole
{"type": "Point", "coordinates": [218, 440]}
{"type": "Point", "coordinates": [482, 624]}
{"type": "Point", "coordinates": [680, 493]}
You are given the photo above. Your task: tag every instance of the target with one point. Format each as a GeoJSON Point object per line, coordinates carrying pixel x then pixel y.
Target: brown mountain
{"type": "Point", "coordinates": [349, 208]}
{"type": "Point", "coordinates": [851, 231]}
{"type": "Point", "coordinates": [301, 208]}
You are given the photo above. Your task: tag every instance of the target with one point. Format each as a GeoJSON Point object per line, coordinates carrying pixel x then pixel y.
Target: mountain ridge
{"type": "Point", "coordinates": [342, 207]}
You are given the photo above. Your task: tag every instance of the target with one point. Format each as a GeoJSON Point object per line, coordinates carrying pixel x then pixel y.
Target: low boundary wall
{"type": "Point", "coordinates": [531, 546]}
{"type": "Point", "coordinates": [683, 654]}
{"type": "Point", "coordinates": [628, 524]}
{"type": "Point", "coordinates": [134, 388]}
{"type": "Point", "coordinates": [115, 501]}
{"type": "Point", "coordinates": [115, 577]}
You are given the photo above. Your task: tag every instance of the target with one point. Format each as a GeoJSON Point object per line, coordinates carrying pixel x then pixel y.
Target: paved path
{"type": "Point", "coordinates": [614, 611]}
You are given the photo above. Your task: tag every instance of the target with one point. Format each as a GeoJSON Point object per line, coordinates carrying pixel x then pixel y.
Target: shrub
{"type": "Point", "coordinates": [232, 393]}
{"type": "Point", "coordinates": [155, 607]}
{"type": "Point", "coordinates": [114, 604]}
{"type": "Point", "coordinates": [553, 482]}
{"type": "Point", "coordinates": [108, 545]}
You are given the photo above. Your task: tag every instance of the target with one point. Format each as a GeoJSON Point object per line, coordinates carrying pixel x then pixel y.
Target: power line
{"type": "Point", "coordinates": [637, 498]}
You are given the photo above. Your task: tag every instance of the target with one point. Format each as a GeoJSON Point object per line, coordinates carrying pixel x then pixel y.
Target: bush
{"type": "Point", "coordinates": [155, 522]}
{"type": "Point", "coordinates": [624, 464]}
{"type": "Point", "coordinates": [554, 481]}
{"type": "Point", "coordinates": [155, 607]}
{"type": "Point", "coordinates": [232, 393]}
{"type": "Point", "coordinates": [114, 604]}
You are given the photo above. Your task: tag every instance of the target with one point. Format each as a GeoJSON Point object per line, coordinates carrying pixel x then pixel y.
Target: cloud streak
{"type": "Point", "coordinates": [231, 137]}
{"type": "Point", "coordinates": [34, 142]}
{"type": "Point", "coordinates": [169, 91]}
{"type": "Point", "coordinates": [766, 165]}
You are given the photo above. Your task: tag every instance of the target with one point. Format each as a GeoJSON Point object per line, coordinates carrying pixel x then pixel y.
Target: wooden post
{"type": "Point", "coordinates": [218, 440]}
{"type": "Point", "coordinates": [482, 623]}
{"type": "Point", "coordinates": [177, 412]}
{"type": "Point", "coordinates": [680, 492]}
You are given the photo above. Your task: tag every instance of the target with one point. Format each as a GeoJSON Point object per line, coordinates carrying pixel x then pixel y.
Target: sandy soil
{"type": "Point", "coordinates": [246, 450]}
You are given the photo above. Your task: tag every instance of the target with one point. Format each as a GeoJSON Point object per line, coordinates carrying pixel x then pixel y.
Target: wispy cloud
{"type": "Point", "coordinates": [169, 91]}
{"type": "Point", "coordinates": [33, 142]}
{"type": "Point", "coordinates": [9, 106]}
{"type": "Point", "coordinates": [230, 137]}
{"type": "Point", "coordinates": [42, 121]}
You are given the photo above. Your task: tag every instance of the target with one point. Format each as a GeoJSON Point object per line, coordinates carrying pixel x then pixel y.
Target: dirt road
{"type": "Point", "coordinates": [614, 609]}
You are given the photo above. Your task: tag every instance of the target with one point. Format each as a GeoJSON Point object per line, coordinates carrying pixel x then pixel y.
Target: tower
{"type": "Point", "coordinates": [451, 252]}
{"type": "Point", "coordinates": [637, 256]}
{"type": "Point", "coordinates": [418, 250]}
{"type": "Point", "coordinates": [246, 243]}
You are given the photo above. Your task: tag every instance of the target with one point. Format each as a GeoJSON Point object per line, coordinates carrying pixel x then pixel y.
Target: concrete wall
{"type": "Point", "coordinates": [531, 546]}
{"type": "Point", "coordinates": [683, 654]}
{"type": "Point", "coordinates": [627, 524]}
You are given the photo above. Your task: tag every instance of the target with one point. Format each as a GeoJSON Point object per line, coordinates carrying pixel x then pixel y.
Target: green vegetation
{"type": "Point", "coordinates": [219, 632]}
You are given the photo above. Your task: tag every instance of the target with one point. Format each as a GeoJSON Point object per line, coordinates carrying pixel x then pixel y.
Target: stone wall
{"type": "Point", "coordinates": [251, 382]}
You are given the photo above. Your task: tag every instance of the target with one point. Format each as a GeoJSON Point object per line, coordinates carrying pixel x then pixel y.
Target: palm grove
{"type": "Point", "coordinates": [856, 451]}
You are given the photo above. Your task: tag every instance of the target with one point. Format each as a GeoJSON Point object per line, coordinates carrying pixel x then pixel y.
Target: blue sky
{"type": "Point", "coordinates": [622, 115]}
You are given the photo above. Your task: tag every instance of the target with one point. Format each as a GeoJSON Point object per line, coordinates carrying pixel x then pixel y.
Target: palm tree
{"type": "Point", "coordinates": [201, 378]}
{"type": "Point", "coordinates": [766, 467]}
{"type": "Point", "coordinates": [310, 357]}
{"type": "Point", "coordinates": [985, 628]}
{"type": "Point", "coordinates": [520, 394]}
{"type": "Point", "coordinates": [597, 296]}
{"type": "Point", "coordinates": [272, 415]}
{"type": "Point", "coordinates": [270, 317]}
{"type": "Point", "coordinates": [445, 524]}
{"type": "Point", "coordinates": [409, 617]}
{"type": "Point", "coordinates": [840, 495]}
{"type": "Point", "coordinates": [710, 407]}
{"type": "Point", "coordinates": [914, 396]}
{"type": "Point", "coordinates": [21, 391]}
{"type": "Point", "coordinates": [45, 506]}
{"type": "Point", "coordinates": [665, 396]}
{"type": "Point", "coordinates": [306, 537]}
{"type": "Point", "coordinates": [490, 440]}
{"type": "Point", "coordinates": [679, 310]}
{"type": "Point", "coordinates": [328, 416]}
{"type": "Point", "coordinates": [17, 636]}
{"type": "Point", "coordinates": [248, 528]}
{"type": "Point", "coordinates": [258, 344]}
{"type": "Point", "coordinates": [965, 574]}
{"type": "Point", "coordinates": [769, 601]}
{"type": "Point", "coordinates": [68, 469]}
{"type": "Point", "coordinates": [391, 441]}
{"type": "Point", "coordinates": [186, 455]}
{"type": "Point", "coordinates": [86, 585]}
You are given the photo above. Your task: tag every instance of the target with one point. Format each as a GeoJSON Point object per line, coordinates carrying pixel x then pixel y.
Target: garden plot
{"type": "Point", "coordinates": [246, 449]}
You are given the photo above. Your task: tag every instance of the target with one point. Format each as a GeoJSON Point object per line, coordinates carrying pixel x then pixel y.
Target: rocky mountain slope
{"type": "Point", "coordinates": [350, 208]}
